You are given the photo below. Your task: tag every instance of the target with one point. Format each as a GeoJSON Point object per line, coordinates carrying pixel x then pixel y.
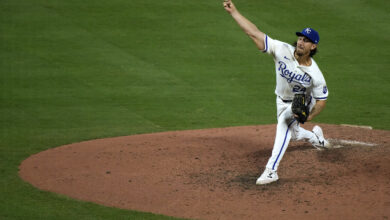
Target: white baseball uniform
{"type": "Point", "coordinates": [292, 78]}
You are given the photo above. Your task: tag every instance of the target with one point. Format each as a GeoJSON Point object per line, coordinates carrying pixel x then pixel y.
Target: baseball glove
{"type": "Point", "coordinates": [299, 108]}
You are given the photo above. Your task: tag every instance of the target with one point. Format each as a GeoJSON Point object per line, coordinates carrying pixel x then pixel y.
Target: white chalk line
{"type": "Point", "coordinates": [339, 143]}
{"type": "Point", "coordinates": [357, 126]}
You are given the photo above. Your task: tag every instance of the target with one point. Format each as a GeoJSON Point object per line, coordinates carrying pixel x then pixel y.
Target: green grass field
{"type": "Point", "coordinates": [79, 70]}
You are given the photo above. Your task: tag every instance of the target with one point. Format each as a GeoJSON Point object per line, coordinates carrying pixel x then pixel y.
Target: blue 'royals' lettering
{"type": "Point", "coordinates": [291, 76]}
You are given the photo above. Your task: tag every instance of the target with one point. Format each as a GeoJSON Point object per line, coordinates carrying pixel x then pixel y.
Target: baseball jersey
{"type": "Point", "coordinates": [292, 78]}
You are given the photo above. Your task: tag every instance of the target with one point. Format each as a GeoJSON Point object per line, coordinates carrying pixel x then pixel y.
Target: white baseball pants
{"type": "Point", "coordinates": [288, 128]}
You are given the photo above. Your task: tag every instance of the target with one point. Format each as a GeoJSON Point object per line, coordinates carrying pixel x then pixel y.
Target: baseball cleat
{"type": "Point", "coordinates": [322, 142]}
{"type": "Point", "coordinates": [268, 176]}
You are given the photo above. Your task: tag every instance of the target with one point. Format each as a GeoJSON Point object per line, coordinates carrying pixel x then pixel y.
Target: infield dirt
{"type": "Point", "coordinates": [211, 174]}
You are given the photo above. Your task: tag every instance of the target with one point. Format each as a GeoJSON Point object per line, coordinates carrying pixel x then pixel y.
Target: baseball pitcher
{"type": "Point", "coordinates": [301, 90]}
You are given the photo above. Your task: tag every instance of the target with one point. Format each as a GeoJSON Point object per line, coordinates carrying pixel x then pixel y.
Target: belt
{"type": "Point", "coordinates": [285, 101]}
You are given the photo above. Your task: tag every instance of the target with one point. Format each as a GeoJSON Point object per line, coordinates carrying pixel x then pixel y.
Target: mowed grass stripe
{"type": "Point", "coordinates": [164, 90]}
{"type": "Point", "coordinates": [91, 83]}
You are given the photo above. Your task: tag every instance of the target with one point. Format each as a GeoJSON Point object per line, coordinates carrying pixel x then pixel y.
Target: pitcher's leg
{"type": "Point", "coordinates": [282, 139]}
{"type": "Point", "coordinates": [315, 137]}
{"type": "Point", "coordinates": [300, 134]}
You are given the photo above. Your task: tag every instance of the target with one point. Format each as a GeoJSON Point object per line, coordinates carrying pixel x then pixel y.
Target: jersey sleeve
{"type": "Point", "coordinates": [320, 90]}
{"type": "Point", "coordinates": [271, 46]}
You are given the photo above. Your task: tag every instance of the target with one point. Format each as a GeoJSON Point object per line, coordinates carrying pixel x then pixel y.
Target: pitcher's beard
{"type": "Point", "coordinates": [298, 53]}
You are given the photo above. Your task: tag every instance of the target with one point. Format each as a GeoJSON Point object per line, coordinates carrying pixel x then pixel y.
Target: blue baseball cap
{"type": "Point", "coordinates": [311, 34]}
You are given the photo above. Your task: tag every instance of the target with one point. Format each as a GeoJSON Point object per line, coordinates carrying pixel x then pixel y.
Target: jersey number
{"type": "Point", "coordinates": [298, 89]}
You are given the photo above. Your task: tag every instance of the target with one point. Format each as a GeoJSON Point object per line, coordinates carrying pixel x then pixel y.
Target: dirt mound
{"type": "Point", "coordinates": [211, 174]}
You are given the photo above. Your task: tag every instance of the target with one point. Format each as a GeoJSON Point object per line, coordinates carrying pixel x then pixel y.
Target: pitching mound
{"type": "Point", "coordinates": [211, 174]}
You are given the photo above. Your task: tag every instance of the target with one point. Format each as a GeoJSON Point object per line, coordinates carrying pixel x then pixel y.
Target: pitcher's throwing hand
{"type": "Point", "coordinates": [229, 6]}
